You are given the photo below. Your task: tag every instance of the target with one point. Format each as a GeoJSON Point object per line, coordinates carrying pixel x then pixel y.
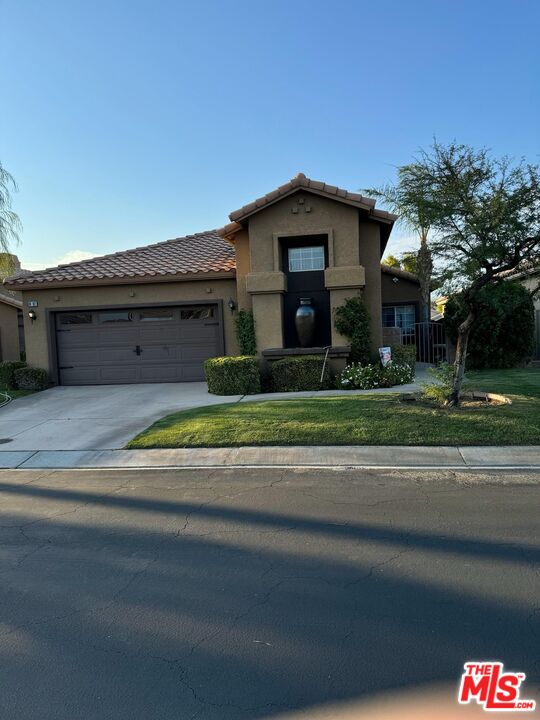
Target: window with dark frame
{"type": "Point", "coordinates": [401, 316]}
{"type": "Point", "coordinates": [115, 316]}
{"type": "Point", "coordinates": [156, 314]}
{"type": "Point", "coordinates": [306, 259]}
{"type": "Point", "coordinates": [202, 312]}
{"type": "Point", "coordinates": [81, 318]}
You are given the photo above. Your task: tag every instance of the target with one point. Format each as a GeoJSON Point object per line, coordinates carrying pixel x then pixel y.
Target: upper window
{"type": "Point", "coordinates": [115, 316]}
{"type": "Point", "coordinates": [156, 314]}
{"type": "Point", "coordinates": [304, 259]}
{"type": "Point", "coordinates": [75, 318]}
{"type": "Point", "coordinates": [197, 313]}
{"type": "Point", "coordinates": [401, 316]}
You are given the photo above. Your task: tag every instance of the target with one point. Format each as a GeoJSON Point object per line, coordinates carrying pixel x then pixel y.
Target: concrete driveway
{"type": "Point", "coordinates": [97, 417]}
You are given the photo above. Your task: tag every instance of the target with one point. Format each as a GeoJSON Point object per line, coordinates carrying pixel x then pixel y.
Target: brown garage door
{"type": "Point", "coordinates": [136, 345]}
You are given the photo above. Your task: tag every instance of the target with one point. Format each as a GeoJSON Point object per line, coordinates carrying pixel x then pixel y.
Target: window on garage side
{"type": "Point", "coordinates": [200, 312]}
{"type": "Point", "coordinates": [156, 314]}
{"type": "Point", "coordinates": [75, 318]}
{"type": "Point", "coordinates": [115, 316]}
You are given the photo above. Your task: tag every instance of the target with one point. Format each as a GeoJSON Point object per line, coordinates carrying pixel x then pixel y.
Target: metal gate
{"type": "Point", "coordinates": [429, 339]}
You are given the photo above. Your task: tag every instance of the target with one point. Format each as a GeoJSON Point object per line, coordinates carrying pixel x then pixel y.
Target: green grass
{"type": "Point", "coordinates": [360, 420]}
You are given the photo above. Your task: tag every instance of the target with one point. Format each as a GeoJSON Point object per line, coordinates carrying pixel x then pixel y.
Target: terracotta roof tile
{"type": "Point", "coordinates": [301, 181]}
{"type": "Point", "coordinates": [205, 252]}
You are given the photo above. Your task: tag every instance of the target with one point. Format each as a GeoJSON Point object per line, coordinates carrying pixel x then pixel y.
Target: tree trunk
{"type": "Point", "coordinates": [464, 331]}
{"type": "Point", "coordinates": [424, 269]}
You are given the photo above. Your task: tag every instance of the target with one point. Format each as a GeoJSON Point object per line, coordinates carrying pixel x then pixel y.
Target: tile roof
{"type": "Point", "coordinates": [204, 252]}
{"type": "Point", "coordinates": [320, 188]}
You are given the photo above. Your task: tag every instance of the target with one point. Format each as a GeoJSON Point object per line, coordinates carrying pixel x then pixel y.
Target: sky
{"type": "Point", "coordinates": [127, 122]}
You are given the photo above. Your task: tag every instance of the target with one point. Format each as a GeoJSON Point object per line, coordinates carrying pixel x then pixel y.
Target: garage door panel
{"type": "Point", "coordinates": [172, 345]}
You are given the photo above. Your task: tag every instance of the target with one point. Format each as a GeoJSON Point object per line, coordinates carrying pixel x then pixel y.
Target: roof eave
{"type": "Point", "coordinates": [27, 286]}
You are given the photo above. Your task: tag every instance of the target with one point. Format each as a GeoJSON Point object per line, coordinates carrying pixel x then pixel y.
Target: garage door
{"type": "Point", "coordinates": [136, 345]}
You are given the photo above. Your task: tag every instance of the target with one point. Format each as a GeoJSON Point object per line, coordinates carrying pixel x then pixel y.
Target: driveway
{"type": "Point", "coordinates": [95, 417]}
{"type": "Point", "coordinates": [246, 594]}
{"type": "Point", "coordinates": [105, 417]}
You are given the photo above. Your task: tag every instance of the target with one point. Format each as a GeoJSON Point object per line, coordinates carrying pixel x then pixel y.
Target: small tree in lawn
{"type": "Point", "coordinates": [485, 218]}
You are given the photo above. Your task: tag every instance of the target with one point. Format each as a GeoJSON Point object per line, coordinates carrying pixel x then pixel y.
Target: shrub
{"type": "Point", "coordinates": [352, 320]}
{"type": "Point", "coordinates": [503, 332]}
{"type": "Point", "coordinates": [245, 332]}
{"type": "Point", "coordinates": [30, 378]}
{"type": "Point", "coordinates": [368, 377]}
{"type": "Point", "coordinates": [302, 372]}
{"type": "Point", "coordinates": [360, 377]}
{"type": "Point", "coordinates": [233, 375]}
{"type": "Point", "coordinates": [7, 371]}
{"type": "Point", "coordinates": [398, 373]}
{"type": "Point", "coordinates": [439, 390]}
{"type": "Point", "coordinates": [404, 354]}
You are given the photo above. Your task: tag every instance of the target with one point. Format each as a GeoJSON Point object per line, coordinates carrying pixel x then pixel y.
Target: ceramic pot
{"type": "Point", "coordinates": [304, 322]}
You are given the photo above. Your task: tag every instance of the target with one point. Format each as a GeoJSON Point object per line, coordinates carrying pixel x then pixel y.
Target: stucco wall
{"type": "Point", "coordinates": [243, 267]}
{"type": "Point", "coordinates": [323, 215]}
{"type": "Point", "coordinates": [9, 333]}
{"type": "Point", "coordinates": [370, 258]}
{"type": "Point", "coordinates": [402, 291]}
{"type": "Point", "coordinates": [37, 350]}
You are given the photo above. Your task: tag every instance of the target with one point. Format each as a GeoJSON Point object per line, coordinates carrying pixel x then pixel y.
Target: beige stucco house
{"type": "Point", "coordinates": [155, 313]}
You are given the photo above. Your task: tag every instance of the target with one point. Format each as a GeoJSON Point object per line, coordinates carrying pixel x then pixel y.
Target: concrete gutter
{"type": "Point", "coordinates": [387, 457]}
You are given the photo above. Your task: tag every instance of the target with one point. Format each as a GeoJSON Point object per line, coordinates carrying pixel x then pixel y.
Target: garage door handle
{"type": "Point", "coordinates": [138, 350]}
{"type": "Point", "coordinates": [216, 323]}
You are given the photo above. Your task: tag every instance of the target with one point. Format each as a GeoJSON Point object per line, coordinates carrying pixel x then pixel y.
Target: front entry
{"type": "Point", "coordinates": [304, 261]}
{"type": "Point", "coordinates": [137, 344]}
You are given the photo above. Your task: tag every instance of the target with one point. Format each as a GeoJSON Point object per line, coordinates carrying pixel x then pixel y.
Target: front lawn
{"type": "Point", "coordinates": [14, 394]}
{"type": "Point", "coordinates": [360, 420]}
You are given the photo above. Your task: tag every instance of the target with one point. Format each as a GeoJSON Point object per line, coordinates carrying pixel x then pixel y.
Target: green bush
{"type": "Point", "coordinates": [7, 371]}
{"type": "Point", "coordinates": [302, 372]}
{"type": "Point", "coordinates": [404, 354]}
{"type": "Point", "coordinates": [503, 332]}
{"type": "Point", "coordinates": [233, 375]}
{"type": "Point", "coordinates": [30, 378]}
{"type": "Point", "coordinates": [368, 377]}
{"type": "Point", "coordinates": [352, 320]}
{"type": "Point", "coordinates": [439, 390]}
{"type": "Point", "coordinates": [245, 332]}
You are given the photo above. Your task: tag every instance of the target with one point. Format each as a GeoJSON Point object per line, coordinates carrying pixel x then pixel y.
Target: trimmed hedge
{"type": "Point", "coordinates": [299, 373]}
{"type": "Point", "coordinates": [404, 354]}
{"type": "Point", "coordinates": [7, 372]}
{"type": "Point", "coordinates": [30, 378]}
{"type": "Point", "coordinates": [245, 332]}
{"type": "Point", "coordinates": [233, 375]}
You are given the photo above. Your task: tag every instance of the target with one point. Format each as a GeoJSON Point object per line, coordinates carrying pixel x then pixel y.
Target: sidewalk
{"type": "Point", "coordinates": [519, 456]}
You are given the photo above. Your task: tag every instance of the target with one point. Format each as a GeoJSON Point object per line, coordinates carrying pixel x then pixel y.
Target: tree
{"type": "Point", "coordinates": [503, 334]}
{"type": "Point", "coordinates": [10, 224]}
{"type": "Point", "coordinates": [392, 261]}
{"type": "Point", "coordinates": [485, 216]}
{"type": "Point", "coordinates": [409, 199]}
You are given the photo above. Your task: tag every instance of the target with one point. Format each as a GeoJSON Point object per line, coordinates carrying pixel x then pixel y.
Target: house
{"type": "Point", "coordinates": [529, 276]}
{"type": "Point", "coordinates": [155, 313]}
{"type": "Point", "coordinates": [11, 317]}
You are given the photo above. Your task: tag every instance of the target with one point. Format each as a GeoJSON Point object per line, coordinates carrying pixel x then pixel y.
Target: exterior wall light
{"type": "Point", "coordinates": [32, 315]}
{"type": "Point", "coordinates": [232, 305]}
{"type": "Point", "coordinates": [395, 280]}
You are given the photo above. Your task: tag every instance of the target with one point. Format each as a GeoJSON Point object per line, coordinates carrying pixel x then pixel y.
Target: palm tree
{"type": "Point", "coordinates": [10, 224]}
{"type": "Point", "coordinates": [408, 199]}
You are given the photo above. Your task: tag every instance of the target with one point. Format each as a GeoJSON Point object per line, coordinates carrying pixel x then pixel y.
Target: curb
{"type": "Point", "coordinates": [523, 457]}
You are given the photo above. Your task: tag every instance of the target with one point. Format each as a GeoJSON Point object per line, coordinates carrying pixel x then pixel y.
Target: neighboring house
{"type": "Point", "coordinates": [11, 327]}
{"type": "Point", "coordinates": [529, 277]}
{"type": "Point", "coordinates": [155, 313]}
{"type": "Point", "coordinates": [11, 319]}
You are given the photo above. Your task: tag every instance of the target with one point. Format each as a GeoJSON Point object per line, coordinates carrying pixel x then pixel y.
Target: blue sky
{"type": "Point", "coordinates": [127, 123]}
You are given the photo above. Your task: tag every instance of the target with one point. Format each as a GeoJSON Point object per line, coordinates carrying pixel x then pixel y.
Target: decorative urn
{"type": "Point", "coordinates": [304, 322]}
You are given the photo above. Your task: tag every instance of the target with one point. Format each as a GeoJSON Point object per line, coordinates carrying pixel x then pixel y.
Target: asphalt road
{"type": "Point", "coordinates": [235, 594]}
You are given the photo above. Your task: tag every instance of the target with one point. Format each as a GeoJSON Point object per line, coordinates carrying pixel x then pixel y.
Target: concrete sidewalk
{"type": "Point", "coordinates": [305, 456]}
